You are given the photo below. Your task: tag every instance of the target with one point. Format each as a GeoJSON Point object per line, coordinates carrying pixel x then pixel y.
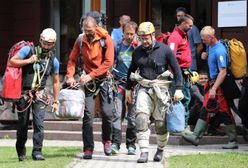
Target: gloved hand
{"type": "Point", "coordinates": [71, 82]}
{"type": "Point", "coordinates": [128, 94]}
{"type": "Point", "coordinates": [178, 95]}
{"type": "Point", "coordinates": [194, 77]}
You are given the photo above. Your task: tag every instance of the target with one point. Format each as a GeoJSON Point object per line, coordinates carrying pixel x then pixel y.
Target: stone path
{"type": "Point", "coordinates": [127, 161]}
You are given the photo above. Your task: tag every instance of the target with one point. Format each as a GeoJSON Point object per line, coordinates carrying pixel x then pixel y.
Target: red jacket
{"type": "Point", "coordinates": [179, 44]}
{"type": "Point", "coordinates": [94, 63]}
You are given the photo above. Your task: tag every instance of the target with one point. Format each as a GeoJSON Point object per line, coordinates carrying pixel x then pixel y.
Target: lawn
{"type": "Point", "coordinates": [224, 160]}
{"type": "Point", "coordinates": [56, 157]}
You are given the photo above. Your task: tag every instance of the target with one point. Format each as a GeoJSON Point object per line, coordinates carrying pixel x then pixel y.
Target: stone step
{"type": "Point", "coordinates": [77, 126]}
{"type": "Point", "coordinates": [77, 136]}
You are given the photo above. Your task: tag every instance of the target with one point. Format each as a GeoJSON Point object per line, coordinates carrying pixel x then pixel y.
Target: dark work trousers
{"type": "Point", "coordinates": [107, 109]}
{"type": "Point", "coordinates": [38, 126]}
{"type": "Point", "coordinates": [117, 120]}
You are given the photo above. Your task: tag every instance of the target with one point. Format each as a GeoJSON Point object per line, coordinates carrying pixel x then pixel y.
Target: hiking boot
{"type": "Point", "coordinates": [21, 154]}
{"type": "Point", "coordinates": [107, 148]}
{"type": "Point", "coordinates": [22, 158]}
{"type": "Point", "coordinates": [38, 156]}
{"type": "Point", "coordinates": [87, 154]}
{"type": "Point", "coordinates": [158, 155]}
{"type": "Point", "coordinates": [131, 150]}
{"type": "Point", "coordinates": [143, 157]}
{"type": "Point", "coordinates": [114, 149]}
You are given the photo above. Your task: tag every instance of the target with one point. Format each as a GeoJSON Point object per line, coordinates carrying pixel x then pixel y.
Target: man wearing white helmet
{"type": "Point", "coordinates": [37, 64]}
{"type": "Point", "coordinates": [152, 60]}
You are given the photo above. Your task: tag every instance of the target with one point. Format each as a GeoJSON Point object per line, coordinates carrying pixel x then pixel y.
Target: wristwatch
{"type": "Point", "coordinates": [56, 102]}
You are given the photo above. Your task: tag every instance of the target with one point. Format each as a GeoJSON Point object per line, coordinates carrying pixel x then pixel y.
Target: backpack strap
{"type": "Point", "coordinates": [118, 49]}
{"type": "Point", "coordinates": [80, 45]}
{"type": "Point", "coordinates": [80, 59]}
{"type": "Point", "coordinates": [80, 42]}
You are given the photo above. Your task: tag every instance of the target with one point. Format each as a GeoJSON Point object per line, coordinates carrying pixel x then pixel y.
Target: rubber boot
{"type": "Point", "coordinates": [199, 130]}
{"type": "Point", "coordinates": [158, 155]}
{"type": "Point", "coordinates": [232, 135]}
{"type": "Point", "coordinates": [143, 157]}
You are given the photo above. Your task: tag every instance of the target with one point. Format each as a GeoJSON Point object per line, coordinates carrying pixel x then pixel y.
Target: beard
{"type": "Point", "coordinates": [148, 49]}
{"type": "Point", "coordinates": [45, 50]}
{"type": "Point", "coordinates": [90, 38]}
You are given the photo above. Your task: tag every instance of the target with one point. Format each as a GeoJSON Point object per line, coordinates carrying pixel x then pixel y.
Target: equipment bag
{"type": "Point", "coordinates": [237, 57]}
{"type": "Point", "coordinates": [12, 79]}
{"type": "Point", "coordinates": [176, 117]}
{"type": "Point", "coordinates": [163, 37]}
{"type": "Point", "coordinates": [71, 104]}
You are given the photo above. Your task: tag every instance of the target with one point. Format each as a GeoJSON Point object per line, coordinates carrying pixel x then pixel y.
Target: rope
{"type": "Point", "coordinates": [30, 101]}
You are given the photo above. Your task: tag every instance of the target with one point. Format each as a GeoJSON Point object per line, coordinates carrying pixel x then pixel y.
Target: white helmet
{"type": "Point", "coordinates": [48, 35]}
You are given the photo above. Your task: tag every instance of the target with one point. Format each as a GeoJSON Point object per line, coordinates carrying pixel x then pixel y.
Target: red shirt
{"type": "Point", "coordinates": [179, 44]}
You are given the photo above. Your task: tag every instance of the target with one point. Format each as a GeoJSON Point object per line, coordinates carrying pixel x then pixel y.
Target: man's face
{"type": "Point", "coordinates": [187, 25]}
{"type": "Point", "coordinates": [203, 78]}
{"type": "Point", "coordinates": [146, 40]}
{"type": "Point", "coordinates": [89, 30]}
{"type": "Point", "coordinates": [46, 46]}
{"type": "Point", "coordinates": [129, 34]}
{"type": "Point", "coordinates": [179, 15]}
{"type": "Point", "coordinates": [206, 39]}
{"type": "Point", "coordinates": [123, 20]}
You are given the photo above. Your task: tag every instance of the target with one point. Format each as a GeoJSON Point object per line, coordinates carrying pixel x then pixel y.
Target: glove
{"type": "Point", "coordinates": [71, 81]}
{"type": "Point", "coordinates": [178, 95]}
{"type": "Point", "coordinates": [128, 94]}
{"type": "Point", "coordinates": [194, 77]}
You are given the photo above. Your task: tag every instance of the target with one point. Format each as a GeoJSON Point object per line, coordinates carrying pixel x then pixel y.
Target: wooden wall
{"type": "Point", "coordinates": [19, 20]}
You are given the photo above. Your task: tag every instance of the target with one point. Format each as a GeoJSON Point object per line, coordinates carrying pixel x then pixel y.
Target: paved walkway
{"type": "Point", "coordinates": [126, 161]}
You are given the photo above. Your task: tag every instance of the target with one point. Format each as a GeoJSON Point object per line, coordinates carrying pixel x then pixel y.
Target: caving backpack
{"type": "Point", "coordinates": [12, 79]}
{"type": "Point", "coordinates": [237, 63]}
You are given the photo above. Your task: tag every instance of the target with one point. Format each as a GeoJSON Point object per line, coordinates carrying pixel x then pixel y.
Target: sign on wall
{"type": "Point", "coordinates": [232, 13]}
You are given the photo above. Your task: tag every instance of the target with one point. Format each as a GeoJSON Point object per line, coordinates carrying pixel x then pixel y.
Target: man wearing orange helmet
{"type": "Point", "coordinates": [37, 64]}
{"type": "Point", "coordinates": [152, 59]}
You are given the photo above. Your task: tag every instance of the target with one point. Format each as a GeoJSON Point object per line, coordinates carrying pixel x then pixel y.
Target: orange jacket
{"type": "Point", "coordinates": [94, 63]}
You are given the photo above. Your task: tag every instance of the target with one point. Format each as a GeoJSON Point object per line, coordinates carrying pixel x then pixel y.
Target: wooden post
{"type": "Point", "coordinates": [95, 5]}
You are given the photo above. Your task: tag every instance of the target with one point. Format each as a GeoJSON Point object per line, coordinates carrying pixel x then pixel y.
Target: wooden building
{"type": "Point", "coordinates": [24, 19]}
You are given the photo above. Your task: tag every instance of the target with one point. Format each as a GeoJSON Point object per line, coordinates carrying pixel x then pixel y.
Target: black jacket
{"type": "Point", "coordinates": [153, 63]}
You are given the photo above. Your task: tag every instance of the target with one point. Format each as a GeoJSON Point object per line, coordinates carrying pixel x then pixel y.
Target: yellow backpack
{"type": "Point", "coordinates": [237, 58]}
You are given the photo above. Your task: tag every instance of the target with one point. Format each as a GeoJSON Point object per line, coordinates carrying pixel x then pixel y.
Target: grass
{"type": "Point", "coordinates": [225, 160]}
{"type": "Point", "coordinates": [55, 157]}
